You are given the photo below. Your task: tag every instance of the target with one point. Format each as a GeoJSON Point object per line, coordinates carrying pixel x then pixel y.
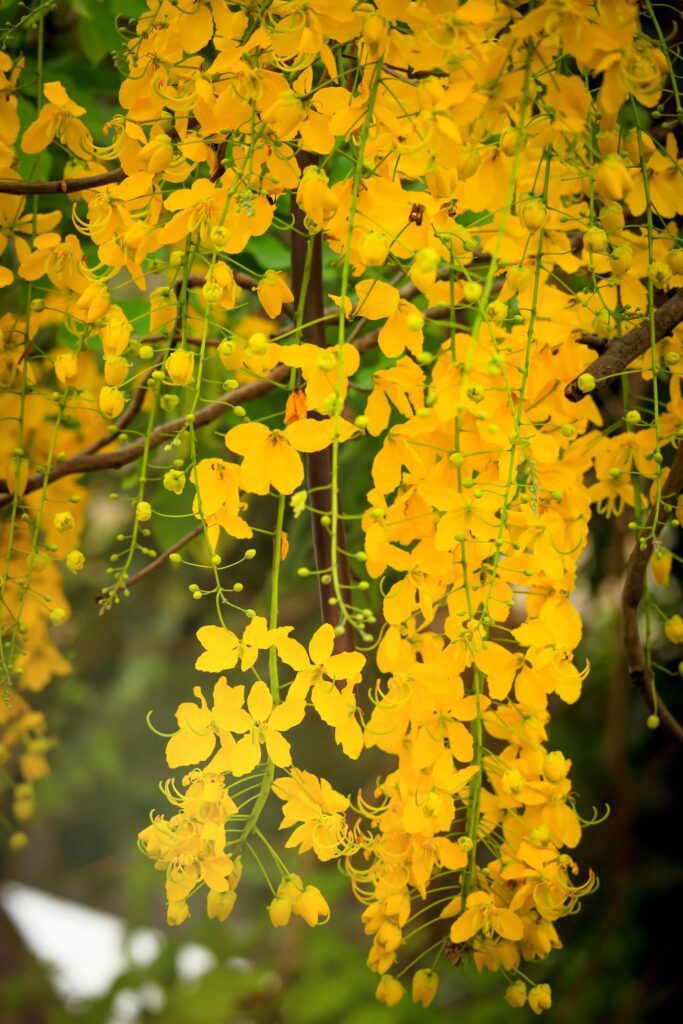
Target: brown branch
{"type": "Point", "coordinates": [156, 562]}
{"type": "Point", "coordinates": [620, 352]}
{"type": "Point", "coordinates": [62, 186]}
{"type": "Point", "coordinates": [634, 588]}
{"type": "Point", "coordinates": [89, 462]}
{"type": "Point", "coordinates": [319, 464]}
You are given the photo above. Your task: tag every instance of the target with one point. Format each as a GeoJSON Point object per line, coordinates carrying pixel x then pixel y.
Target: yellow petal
{"type": "Point", "coordinates": [287, 714]}
{"type": "Point", "coordinates": [278, 749]}
{"type": "Point", "coordinates": [467, 925]}
{"type": "Point", "coordinates": [376, 299]}
{"type": "Point", "coordinates": [245, 437]}
{"type": "Point", "coordinates": [245, 756]}
{"type": "Point", "coordinates": [322, 644]}
{"type": "Point", "coordinates": [260, 702]}
{"type": "Point", "coordinates": [220, 649]}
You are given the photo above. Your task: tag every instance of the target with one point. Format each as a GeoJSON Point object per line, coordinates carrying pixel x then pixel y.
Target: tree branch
{"type": "Point", "coordinates": [61, 186]}
{"type": "Point", "coordinates": [619, 352]}
{"type": "Point", "coordinates": [634, 587]}
{"type": "Point", "coordinates": [319, 464]}
{"type": "Point", "coordinates": [88, 461]}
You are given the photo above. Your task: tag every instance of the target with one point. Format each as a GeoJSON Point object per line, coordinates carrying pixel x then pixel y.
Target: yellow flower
{"type": "Point", "coordinates": [612, 179]}
{"type": "Point", "coordinates": [64, 521]}
{"type": "Point", "coordinates": [320, 810]}
{"type": "Point", "coordinates": [223, 649]}
{"type": "Point", "coordinates": [273, 291]}
{"type": "Point", "coordinates": [485, 916]}
{"type": "Point", "coordinates": [320, 666]}
{"type": "Point", "coordinates": [264, 724]}
{"type": "Point", "coordinates": [271, 457]}
{"type": "Point", "coordinates": [58, 117]}
{"type": "Point", "coordinates": [217, 499]}
{"type": "Point", "coordinates": [195, 739]}
{"type": "Point", "coordinates": [60, 259]}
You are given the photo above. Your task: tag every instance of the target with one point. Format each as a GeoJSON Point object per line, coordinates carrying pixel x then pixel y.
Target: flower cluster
{"type": "Point", "coordinates": [469, 193]}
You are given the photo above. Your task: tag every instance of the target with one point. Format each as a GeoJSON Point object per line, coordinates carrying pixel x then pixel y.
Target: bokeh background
{"type": "Point", "coordinates": [121, 963]}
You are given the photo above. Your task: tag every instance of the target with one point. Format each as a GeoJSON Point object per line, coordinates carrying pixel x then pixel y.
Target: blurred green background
{"type": "Point", "coordinates": [619, 964]}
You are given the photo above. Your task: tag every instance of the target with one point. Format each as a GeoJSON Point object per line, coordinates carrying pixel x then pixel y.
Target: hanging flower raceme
{"type": "Point", "coordinates": [368, 242]}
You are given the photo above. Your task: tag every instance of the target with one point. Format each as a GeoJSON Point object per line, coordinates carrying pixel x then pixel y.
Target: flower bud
{"type": "Point", "coordinates": [174, 481]}
{"type": "Point", "coordinates": [280, 911]}
{"type": "Point", "coordinates": [556, 766]}
{"type": "Point", "coordinates": [611, 217]}
{"type": "Point", "coordinates": [472, 291]}
{"type": "Point", "coordinates": [373, 249]}
{"type": "Point", "coordinates": [180, 366]}
{"type": "Point", "coordinates": [675, 260]}
{"type": "Point", "coordinates": [177, 912]}
{"type": "Point", "coordinates": [425, 984]}
{"type": "Point", "coordinates": [115, 370]}
{"type": "Point", "coordinates": [533, 213]}
{"type": "Point", "coordinates": [143, 511]}
{"type": "Point", "coordinates": [111, 402]}
{"type": "Point", "coordinates": [219, 904]}
{"type": "Point", "coordinates": [661, 563]}
{"type": "Point", "coordinates": [311, 905]}
{"type": "Point", "coordinates": [17, 841]}
{"type": "Point", "coordinates": [389, 991]}
{"type": "Point", "coordinates": [157, 154]}
{"type": "Point", "coordinates": [586, 383]}
{"type": "Point", "coordinates": [374, 30]}
{"type": "Point", "coordinates": [673, 628]}
{"type": "Point", "coordinates": [212, 291]}
{"type": "Point", "coordinates": [497, 311]}
{"type": "Point", "coordinates": [540, 998]}
{"type": "Point", "coordinates": [75, 561]}
{"type": "Point", "coordinates": [596, 240]}
{"type": "Point", "coordinates": [658, 273]}
{"type": "Point", "coordinates": [515, 994]}
{"type": "Point", "coordinates": [219, 236]}
{"type": "Point", "coordinates": [513, 782]}
{"type": "Point", "coordinates": [66, 367]}
{"type": "Point", "coordinates": [115, 334]}
{"type": "Point", "coordinates": [63, 521]}
{"type": "Point", "coordinates": [621, 259]}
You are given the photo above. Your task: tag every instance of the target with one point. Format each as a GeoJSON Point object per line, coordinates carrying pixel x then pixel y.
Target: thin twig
{"type": "Point", "coordinates": [156, 562]}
